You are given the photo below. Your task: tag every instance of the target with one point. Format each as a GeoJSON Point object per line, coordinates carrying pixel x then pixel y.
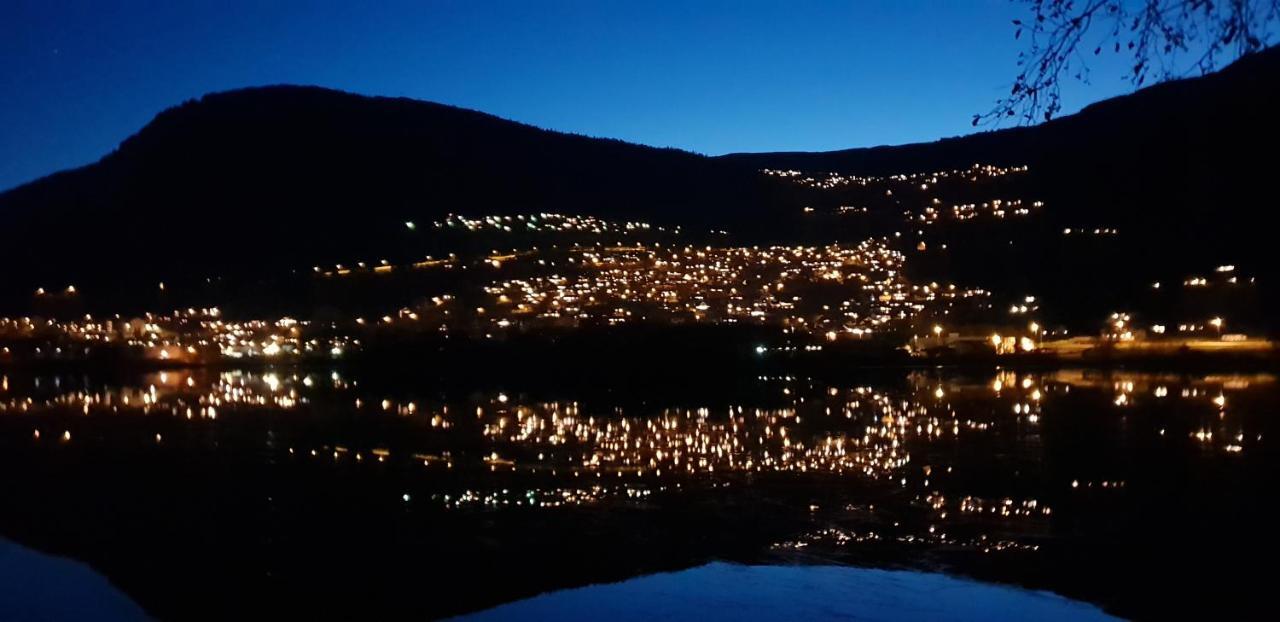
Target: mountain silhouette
{"type": "Point", "coordinates": [1184, 161]}
{"type": "Point", "coordinates": [287, 176]}
{"type": "Point", "coordinates": [1184, 170]}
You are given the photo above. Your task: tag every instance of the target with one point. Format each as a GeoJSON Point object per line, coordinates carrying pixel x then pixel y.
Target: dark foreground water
{"type": "Point", "coordinates": [341, 494]}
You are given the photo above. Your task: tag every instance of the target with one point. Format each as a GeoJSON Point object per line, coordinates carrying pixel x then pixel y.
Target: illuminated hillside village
{"type": "Point", "coordinates": [577, 272]}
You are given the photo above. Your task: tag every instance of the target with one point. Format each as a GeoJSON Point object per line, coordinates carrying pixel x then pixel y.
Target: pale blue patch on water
{"type": "Point", "coordinates": [721, 591]}
{"type": "Point", "coordinates": [35, 587]}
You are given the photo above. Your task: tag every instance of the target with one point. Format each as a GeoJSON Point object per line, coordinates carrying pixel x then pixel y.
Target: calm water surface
{"type": "Point", "coordinates": [721, 591]}
{"type": "Point", "coordinates": [340, 494]}
{"type": "Point", "coordinates": [41, 587]}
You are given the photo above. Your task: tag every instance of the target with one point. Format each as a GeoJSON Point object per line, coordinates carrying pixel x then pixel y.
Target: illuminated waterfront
{"type": "Point", "coordinates": [918, 263]}
{"type": "Point", "coordinates": [366, 484]}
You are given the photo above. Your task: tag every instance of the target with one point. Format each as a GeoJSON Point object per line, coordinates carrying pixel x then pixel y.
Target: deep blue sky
{"type": "Point", "coordinates": [76, 78]}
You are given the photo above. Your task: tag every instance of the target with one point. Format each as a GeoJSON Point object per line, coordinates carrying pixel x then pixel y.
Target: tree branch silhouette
{"type": "Point", "coordinates": [1063, 34]}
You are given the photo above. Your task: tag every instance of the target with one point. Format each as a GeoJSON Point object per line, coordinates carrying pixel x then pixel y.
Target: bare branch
{"type": "Point", "coordinates": [1063, 35]}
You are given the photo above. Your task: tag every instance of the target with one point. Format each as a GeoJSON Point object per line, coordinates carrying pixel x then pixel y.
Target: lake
{"type": "Point", "coordinates": [882, 494]}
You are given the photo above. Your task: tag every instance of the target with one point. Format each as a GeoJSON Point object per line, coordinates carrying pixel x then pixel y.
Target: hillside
{"type": "Point", "coordinates": [1186, 163]}
{"type": "Point", "coordinates": [267, 180]}
{"type": "Point", "coordinates": [1183, 170]}
{"type": "Point", "coordinates": [1234, 108]}
{"type": "Point", "coordinates": [287, 176]}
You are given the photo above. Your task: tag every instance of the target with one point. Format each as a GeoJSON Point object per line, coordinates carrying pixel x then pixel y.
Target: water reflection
{"type": "Point", "coordinates": [863, 431]}
{"type": "Point", "coordinates": [930, 468]}
{"type": "Point", "coordinates": [729, 592]}
{"type": "Point", "coordinates": [39, 587]}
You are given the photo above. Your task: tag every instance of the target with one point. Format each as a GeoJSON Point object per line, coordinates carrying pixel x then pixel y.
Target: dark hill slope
{"type": "Point", "coordinates": [294, 175]}
{"type": "Point", "coordinates": [1235, 108]}
{"type": "Point", "coordinates": [1191, 162]}
{"type": "Point", "coordinates": [260, 179]}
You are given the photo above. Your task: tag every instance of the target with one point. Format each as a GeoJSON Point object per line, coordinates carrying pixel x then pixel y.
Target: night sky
{"type": "Point", "coordinates": [76, 78]}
